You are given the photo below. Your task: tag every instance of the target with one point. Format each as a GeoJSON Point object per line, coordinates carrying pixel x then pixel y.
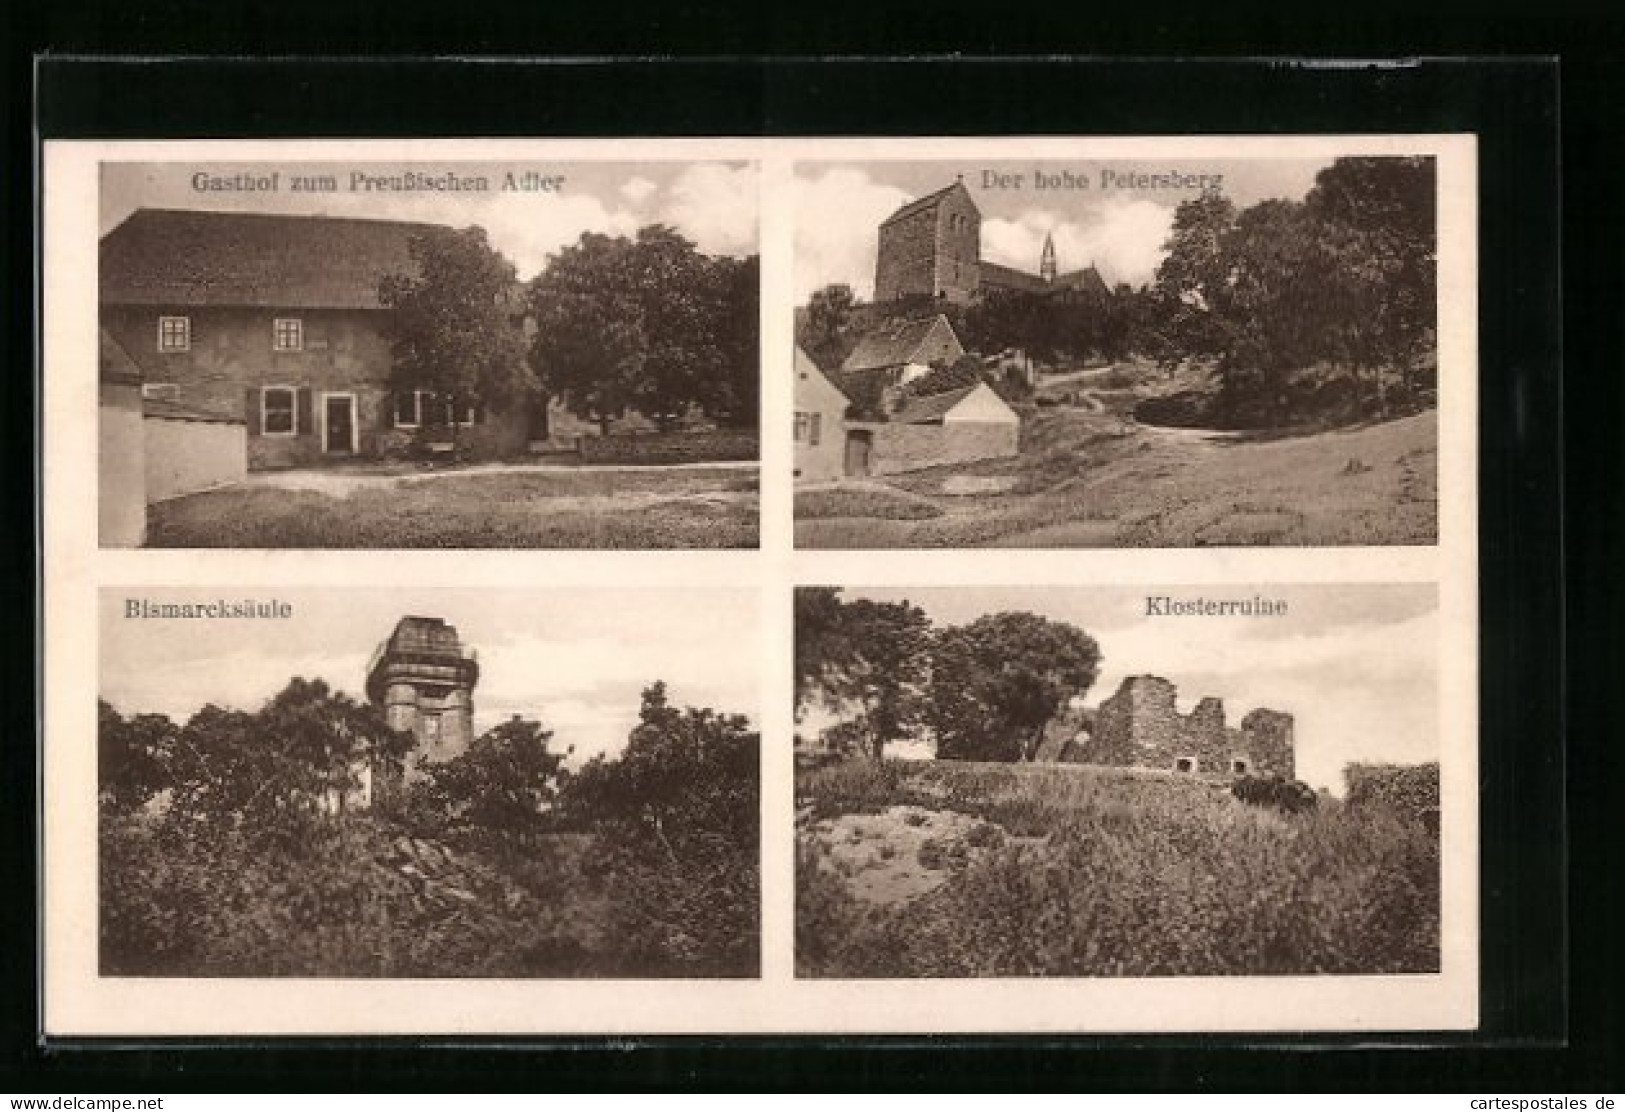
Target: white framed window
{"type": "Point", "coordinates": [408, 413]}
{"type": "Point", "coordinates": [803, 424]}
{"type": "Point", "coordinates": [279, 415]}
{"type": "Point", "coordinates": [462, 414]}
{"type": "Point", "coordinates": [288, 334]}
{"type": "Point", "coordinates": [174, 333]}
{"type": "Point", "coordinates": [162, 391]}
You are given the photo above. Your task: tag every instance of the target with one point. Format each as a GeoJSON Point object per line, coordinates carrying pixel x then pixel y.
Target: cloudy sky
{"type": "Point", "coordinates": [1356, 665]}
{"type": "Point", "coordinates": [1121, 231]}
{"type": "Point", "coordinates": [713, 204]}
{"type": "Point", "coordinates": [576, 659]}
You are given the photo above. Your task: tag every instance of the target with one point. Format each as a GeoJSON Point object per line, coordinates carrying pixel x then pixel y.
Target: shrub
{"type": "Point", "coordinates": [1142, 876]}
{"type": "Point", "coordinates": [1290, 797]}
{"type": "Point", "coordinates": [1410, 791]}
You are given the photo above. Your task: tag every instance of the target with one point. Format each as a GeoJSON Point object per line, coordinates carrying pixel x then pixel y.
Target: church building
{"type": "Point", "coordinates": [932, 248]}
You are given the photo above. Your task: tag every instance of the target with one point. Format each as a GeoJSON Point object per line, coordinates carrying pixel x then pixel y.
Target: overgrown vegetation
{"type": "Point", "coordinates": [1111, 872]}
{"type": "Point", "coordinates": [235, 844]}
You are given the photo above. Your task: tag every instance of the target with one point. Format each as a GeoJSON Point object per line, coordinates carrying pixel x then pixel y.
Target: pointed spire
{"type": "Point", "coordinates": [1046, 264]}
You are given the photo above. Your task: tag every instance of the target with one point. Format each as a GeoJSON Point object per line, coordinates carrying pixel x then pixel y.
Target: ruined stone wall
{"type": "Point", "coordinates": [1268, 736]}
{"type": "Point", "coordinates": [1141, 725]}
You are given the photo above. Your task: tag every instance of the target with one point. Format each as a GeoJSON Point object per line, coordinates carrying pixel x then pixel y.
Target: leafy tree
{"type": "Point", "coordinates": [301, 753]}
{"type": "Point", "coordinates": [647, 324]}
{"type": "Point", "coordinates": [133, 757]}
{"type": "Point", "coordinates": [676, 819]}
{"type": "Point", "coordinates": [867, 655]}
{"type": "Point", "coordinates": [1193, 279]}
{"type": "Point", "coordinates": [453, 325]}
{"type": "Point", "coordinates": [822, 641]}
{"type": "Point", "coordinates": [501, 789]}
{"type": "Point", "coordinates": [734, 395]}
{"type": "Point", "coordinates": [827, 332]}
{"type": "Point", "coordinates": [1379, 223]}
{"type": "Point", "coordinates": [997, 682]}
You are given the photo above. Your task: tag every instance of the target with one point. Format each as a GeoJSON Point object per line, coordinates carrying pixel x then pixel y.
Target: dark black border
{"type": "Point", "coordinates": [1527, 1041]}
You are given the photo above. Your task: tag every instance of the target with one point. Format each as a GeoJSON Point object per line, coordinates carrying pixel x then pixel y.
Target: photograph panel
{"type": "Point", "coordinates": [1110, 353]}
{"type": "Point", "coordinates": [303, 354]}
{"type": "Point", "coordinates": [409, 783]}
{"type": "Point", "coordinates": [1117, 782]}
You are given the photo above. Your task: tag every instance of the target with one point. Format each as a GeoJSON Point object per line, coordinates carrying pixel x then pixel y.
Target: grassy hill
{"type": "Point", "coordinates": [1089, 476]}
{"type": "Point", "coordinates": [957, 869]}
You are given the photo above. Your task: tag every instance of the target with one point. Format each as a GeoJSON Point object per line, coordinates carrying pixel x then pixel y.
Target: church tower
{"type": "Point", "coordinates": [424, 679]}
{"type": "Point", "coordinates": [1046, 265]}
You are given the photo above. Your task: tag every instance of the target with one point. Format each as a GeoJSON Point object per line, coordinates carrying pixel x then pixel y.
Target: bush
{"type": "Point", "coordinates": [1290, 797]}
{"type": "Point", "coordinates": [1143, 876]}
{"type": "Point", "coordinates": [1409, 791]}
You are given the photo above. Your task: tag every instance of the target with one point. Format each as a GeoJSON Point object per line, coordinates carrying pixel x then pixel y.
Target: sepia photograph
{"type": "Point", "coordinates": [1163, 353]}
{"type": "Point", "coordinates": [348, 783]}
{"type": "Point", "coordinates": [416, 355]}
{"type": "Point", "coordinates": [1117, 782]}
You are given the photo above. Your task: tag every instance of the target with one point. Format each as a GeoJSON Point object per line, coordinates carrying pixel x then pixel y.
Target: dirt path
{"type": "Point", "coordinates": [1167, 487]}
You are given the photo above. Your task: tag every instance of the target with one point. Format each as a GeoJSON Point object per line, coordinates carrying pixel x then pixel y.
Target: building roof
{"type": "Point", "coordinates": [1088, 280]}
{"type": "Point", "coordinates": [933, 407]}
{"type": "Point", "coordinates": [186, 257]}
{"type": "Point", "coordinates": [993, 274]}
{"type": "Point", "coordinates": [805, 367]}
{"type": "Point", "coordinates": [114, 363]}
{"type": "Point", "coordinates": [930, 200]}
{"type": "Point", "coordinates": [892, 345]}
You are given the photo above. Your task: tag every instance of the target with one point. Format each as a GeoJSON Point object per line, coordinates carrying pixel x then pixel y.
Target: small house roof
{"type": "Point", "coordinates": [114, 363]}
{"type": "Point", "coordinates": [930, 200]}
{"type": "Point", "coordinates": [933, 407]}
{"type": "Point", "coordinates": [806, 367]}
{"type": "Point", "coordinates": [892, 345]}
{"type": "Point", "coordinates": [273, 260]}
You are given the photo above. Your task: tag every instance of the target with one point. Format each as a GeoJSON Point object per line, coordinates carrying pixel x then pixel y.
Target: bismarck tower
{"type": "Point", "coordinates": [424, 679]}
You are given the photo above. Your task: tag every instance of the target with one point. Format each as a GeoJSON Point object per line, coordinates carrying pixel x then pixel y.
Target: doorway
{"type": "Point", "coordinates": [338, 424]}
{"type": "Point", "coordinates": [859, 445]}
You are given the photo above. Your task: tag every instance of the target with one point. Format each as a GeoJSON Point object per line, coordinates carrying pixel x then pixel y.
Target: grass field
{"type": "Point", "coordinates": [950, 869]}
{"type": "Point", "coordinates": [587, 510]}
{"type": "Point", "coordinates": [1086, 478]}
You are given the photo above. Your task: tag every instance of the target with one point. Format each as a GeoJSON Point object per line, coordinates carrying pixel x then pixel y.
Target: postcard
{"type": "Point", "coordinates": [796, 585]}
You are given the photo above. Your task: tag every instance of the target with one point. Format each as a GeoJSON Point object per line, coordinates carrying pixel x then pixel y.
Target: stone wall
{"type": "Point", "coordinates": [897, 448]}
{"type": "Point", "coordinates": [959, 249]}
{"type": "Point", "coordinates": [675, 447]}
{"type": "Point", "coordinates": [121, 452]}
{"type": "Point", "coordinates": [1141, 725]}
{"type": "Point", "coordinates": [184, 456]}
{"type": "Point", "coordinates": [905, 261]}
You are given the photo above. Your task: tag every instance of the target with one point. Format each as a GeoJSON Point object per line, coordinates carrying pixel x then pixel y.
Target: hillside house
{"type": "Point", "coordinates": [820, 423]}
{"type": "Point", "coordinates": [275, 320]}
{"type": "Point", "coordinates": [956, 426]}
{"type": "Point", "coordinates": [895, 354]}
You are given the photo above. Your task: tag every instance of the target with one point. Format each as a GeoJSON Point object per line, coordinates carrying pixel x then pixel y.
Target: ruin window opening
{"type": "Point", "coordinates": [1185, 764]}
{"type": "Point", "coordinates": [1240, 767]}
